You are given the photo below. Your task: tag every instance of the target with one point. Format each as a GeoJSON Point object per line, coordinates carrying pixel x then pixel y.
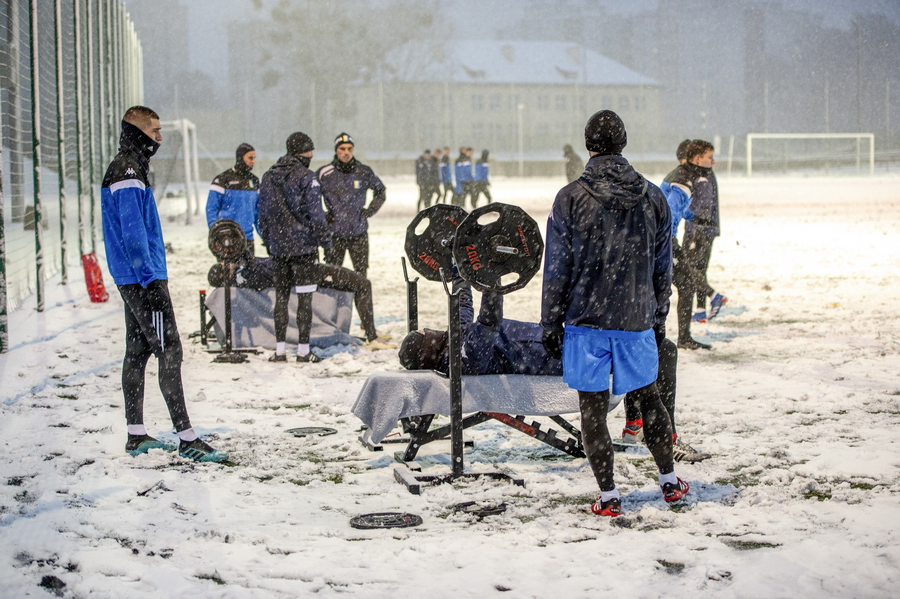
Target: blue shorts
{"type": "Point", "coordinates": [590, 355]}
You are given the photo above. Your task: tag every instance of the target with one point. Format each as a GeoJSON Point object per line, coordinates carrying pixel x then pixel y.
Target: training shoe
{"type": "Point", "coordinates": [699, 316]}
{"type": "Point", "coordinates": [200, 451]}
{"type": "Point", "coordinates": [685, 453]}
{"type": "Point", "coordinates": [691, 344]}
{"type": "Point", "coordinates": [309, 358]}
{"type": "Point", "coordinates": [611, 508]}
{"type": "Point", "coordinates": [674, 492]}
{"type": "Point", "coordinates": [633, 432]}
{"type": "Point", "coordinates": [715, 304]}
{"type": "Point", "coordinates": [278, 358]}
{"type": "Point", "coordinates": [380, 343]}
{"type": "Point", "coordinates": [138, 444]}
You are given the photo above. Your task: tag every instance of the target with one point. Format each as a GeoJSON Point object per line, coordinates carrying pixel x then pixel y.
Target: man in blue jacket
{"type": "Point", "coordinates": [606, 288]}
{"type": "Point", "coordinates": [463, 168]}
{"type": "Point", "coordinates": [292, 224]}
{"type": "Point", "coordinates": [482, 179]}
{"type": "Point", "coordinates": [446, 175]}
{"type": "Point", "coordinates": [345, 182]}
{"type": "Point", "coordinates": [234, 194]}
{"type": "Point", "coordinates": [136, 256]}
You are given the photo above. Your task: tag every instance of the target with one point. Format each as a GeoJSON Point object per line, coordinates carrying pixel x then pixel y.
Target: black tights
{"type": "Point", "coordinates": [598, 444]}
{"type": "Point", "coordinates": [665, 382]}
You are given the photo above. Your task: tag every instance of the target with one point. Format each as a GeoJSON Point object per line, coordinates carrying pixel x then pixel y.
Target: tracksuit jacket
{"type": "Point", "coordinates": [482, 171]}
{"type": "Point", "coordinates": [344, 188]}
{"type": "Point", "coordinates": [445, 171]}
{"type": "Point", "coordinates": [132, 233]}
{"type": "Point", "coordinates": [291, 218]}
{"type": "Point", "coordinates": [234, 194]}
{"type": "Point", "coordinates": [608, 261]}
{"type": "Point", "coordinates": [463, 168]}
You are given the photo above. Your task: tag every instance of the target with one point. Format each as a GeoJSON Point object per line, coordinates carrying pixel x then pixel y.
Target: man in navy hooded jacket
{"type": "Point", "coordinates": [292, 224]}
{"type": "Point", "coordinates": [606, 288]}
{"type": "Point", "coordinates": [136, 256]}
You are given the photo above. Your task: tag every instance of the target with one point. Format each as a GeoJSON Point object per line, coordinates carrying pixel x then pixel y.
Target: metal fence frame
{"type": "Point", "coordinates": [84, 69]}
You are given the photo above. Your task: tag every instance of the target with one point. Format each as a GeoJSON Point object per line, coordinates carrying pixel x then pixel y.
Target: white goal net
{"type": "Point", "coordinates": [792, 152]}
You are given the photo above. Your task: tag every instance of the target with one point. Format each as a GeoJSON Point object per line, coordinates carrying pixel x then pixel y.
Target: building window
{"type": "Point", "coordinates": [624, 102]}
{"type": "Point", "coordinates": [477, 102]}
{"type": "Point", "coordinates": [607, 102]}
{"type": "Point", "coordinates": [639, 103]}
{"type": "Point", "coordinates": [543, 102]}
{"type": "Point", "coordinates": [495, 102]}
{"type": "Point", "coordinates": [561, 103]}
{"type": "Point", "coordinates": [477, 130]}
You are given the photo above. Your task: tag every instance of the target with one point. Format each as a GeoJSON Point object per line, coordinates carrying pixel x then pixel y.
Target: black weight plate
{"type": "Point", "coordinates": [431, 250]}
{"type": "Point", "coordinates": [485, 253]}
{"type": "Point", "coordinates": [480, 510]}
{"type": "Point", "coordinates": [309, 431]}
{"type": "Point", "coordinates": [227, 241]}
{"type": "Point", "coordinates": [385, 520]}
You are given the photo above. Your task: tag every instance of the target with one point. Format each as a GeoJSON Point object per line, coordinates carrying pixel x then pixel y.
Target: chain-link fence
{"type": "Point", "coordinates": [68, 71]}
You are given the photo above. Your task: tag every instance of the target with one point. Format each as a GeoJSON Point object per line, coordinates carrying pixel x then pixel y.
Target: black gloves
{"type": "Point", "coordinates": [364, 212]}
{"type": "Point", "coordinates": [659, 331]}
{"type": "Point", "coordinates": [553, 343]}
{"type": "Point", "coordinates": [157, 295]}
{"type": "Point", "coordinates": [329, 217]}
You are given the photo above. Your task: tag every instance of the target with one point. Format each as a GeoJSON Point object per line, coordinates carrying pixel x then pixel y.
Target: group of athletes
{"type": "Point", "coordinates": [608, 272]}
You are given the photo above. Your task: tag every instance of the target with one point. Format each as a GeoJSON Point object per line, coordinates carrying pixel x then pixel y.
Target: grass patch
{"type": "Point", "coordinates": [213, 577]}
{"type": "Point", "coordinates": [671, 567]}
{"type": "Point", "coordinates": [817, 495]}
{"type": "Point", "coordinates": [739, 481]}
{"type": "Point", "coordinates": [749, 545]}
{"type": "Point", "coordinates": [862, 486]}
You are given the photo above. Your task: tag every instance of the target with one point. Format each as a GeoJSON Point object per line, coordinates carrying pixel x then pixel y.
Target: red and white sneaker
{"type": "Point", "coordinates": [611, 508]}
{"type": "Point", "coordinates": [674, 492]}
{"type": "Point", "coordinates": [633, 432]}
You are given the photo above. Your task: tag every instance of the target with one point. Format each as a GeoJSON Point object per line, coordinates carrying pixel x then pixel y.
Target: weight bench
{"type": "Point", "coordinates": [415, 397]}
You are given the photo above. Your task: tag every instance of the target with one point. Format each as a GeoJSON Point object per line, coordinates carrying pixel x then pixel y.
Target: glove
{"type": "Point", "coordinates": [659, 331]}
{"type": "Point", "coordinates": [157, 295]}
{"type": "Point", "coordinates": [329, 217]}
{"type": "Point", "coordinates": [364, 212]}
{"type": "Point", "coordinates": [553, 343]}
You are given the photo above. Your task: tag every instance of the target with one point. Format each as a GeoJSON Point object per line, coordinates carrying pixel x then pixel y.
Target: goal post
{"type": "Point", "coordinates": [859, 137]}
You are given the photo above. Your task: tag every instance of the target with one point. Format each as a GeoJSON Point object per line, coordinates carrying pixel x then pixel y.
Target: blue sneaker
{"type": "Point", "coordinates": [715, 304]}
{"type": "Point", "coordinates": [138, 444]}
{"type": "Point", "coordinates": [699, 316]}
{"type": "Point", "coordinates": [199, 451]}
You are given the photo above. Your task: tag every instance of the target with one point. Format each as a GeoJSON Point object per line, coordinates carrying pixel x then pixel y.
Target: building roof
{"type": "Point", "coordinates": [480, 61]}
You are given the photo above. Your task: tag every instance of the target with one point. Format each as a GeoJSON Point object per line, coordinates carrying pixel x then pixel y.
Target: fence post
{"type": "Point", "coordinates": [36, 153]}
{"type": "Point", "coordinates": [4, 319]}
{"type": "Point", "coordinates": [61, 144]}
{"type": "Point", "coordinates": [79, 120]}
{"type": "Point", "coordinates": [92, 124]}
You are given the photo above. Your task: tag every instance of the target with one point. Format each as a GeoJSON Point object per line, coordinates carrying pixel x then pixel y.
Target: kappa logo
{"type": "Point", "coordinates": [130, 171]}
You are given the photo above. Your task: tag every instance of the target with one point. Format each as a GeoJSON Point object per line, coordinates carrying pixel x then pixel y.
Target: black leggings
{"type": "Point", "coordinates": [358, 247]}
{"type": "Point", "coordinates": [344, 279]}
{"type": "Point", "coordinates": [598, 444]}
{"type": "Point", "coordinates": [291, 271]}
{"type": "Point", "coordinates": [665, 383]}
{"type": "Point", "coordinates": [141, 342]}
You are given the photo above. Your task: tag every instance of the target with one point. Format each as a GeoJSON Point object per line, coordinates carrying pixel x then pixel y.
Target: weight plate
{"type": "Point", "coordinates": [226, 240]}
{"type": "Point", "coordinates": [385, 520]}
{"type": "Point", "coordinates": [480, 510]}
{"type": "Point", "coordinates": [498, 256]}
{"type": "Point", "coordinates": [431, 249]}
{"type": "Point", "coordinates": [309, 431]}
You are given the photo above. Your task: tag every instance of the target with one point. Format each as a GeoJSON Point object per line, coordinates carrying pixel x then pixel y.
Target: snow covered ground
{"type": "Point", "coordinates": [799, 402]}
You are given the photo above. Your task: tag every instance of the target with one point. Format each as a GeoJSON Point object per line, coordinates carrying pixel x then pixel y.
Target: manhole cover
{"type": "Point", "coordinates": [309, 431]}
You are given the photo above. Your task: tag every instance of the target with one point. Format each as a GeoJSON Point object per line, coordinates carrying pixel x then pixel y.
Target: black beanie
{"type": "Point", "coordinates": [605, 133]}
{"type": "Point", "coordinates": [423, 349]}
{"type": "Point", "coordinates": [343, 138]}
{"type": "Point", "coordinates": [242, 151]}
{"type": "Point", "coordinates": [299, 143]}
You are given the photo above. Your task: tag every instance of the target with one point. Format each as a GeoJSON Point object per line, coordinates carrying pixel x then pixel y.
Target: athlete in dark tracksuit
{"type": "Point", "coordinates": [292, 224]}
{"type": "Point", "coordinates": [234, 194]}
{"type": "Point", "coordinates": [136, 256]}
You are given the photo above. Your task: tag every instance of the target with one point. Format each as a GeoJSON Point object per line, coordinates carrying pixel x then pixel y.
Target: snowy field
{"type": "Point", "coordinates": [799, 403]}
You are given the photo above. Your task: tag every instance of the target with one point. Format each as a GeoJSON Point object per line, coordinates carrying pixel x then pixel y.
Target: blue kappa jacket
{"type": "Point", "coordinates": [132, 233]}
{"type": "Point", "coordinates": [608, 261]}
{"type": "Point", "coordinates": [291, 218]}
{"type": "Point", "coordinates": [234, 194]}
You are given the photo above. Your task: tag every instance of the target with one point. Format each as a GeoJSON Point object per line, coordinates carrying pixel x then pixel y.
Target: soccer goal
{"type": "Point", "coordinates": [783, 152]}
{"type": "Point", "coordinates": [188, 132]}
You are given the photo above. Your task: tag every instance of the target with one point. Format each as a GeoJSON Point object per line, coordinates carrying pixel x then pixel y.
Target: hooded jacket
{"type": "Point", "coordinates": [483, 168]}
{"type": "Point", "coordinates": [234, 194]}
{"type": "Point", "coordinates": [609, 251]}
{"type": "Point", "coordinates": [132, 233]}
{"type": "Point", "coordinates": [444, 170]}
{"type": "Point", "coordinates": [344, 188]}
{"type": "Point", "coordinates": [291, 218]}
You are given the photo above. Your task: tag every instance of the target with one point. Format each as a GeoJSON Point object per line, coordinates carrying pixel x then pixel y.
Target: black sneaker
{"type": "Point", "coordinates": [138, 444]}
{"type": "Point", "coordinates": [682, 452]}
{"type": "Point", "coordinates": [674, 492]}
{"type": "Point", "coordinates": [611, 508]}
{"type": "Point", "coordinates": [309, 358]}
{"type": "Point", "coordinates": [278, 358]}
{"type": "Point", "coordinates": [691, 344]}
{"type": "Point", "coordinates": [200, 451]}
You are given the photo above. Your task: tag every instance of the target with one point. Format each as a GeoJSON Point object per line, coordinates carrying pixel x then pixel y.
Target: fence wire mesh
{"type": "Point", "coordinates": [68, 70]}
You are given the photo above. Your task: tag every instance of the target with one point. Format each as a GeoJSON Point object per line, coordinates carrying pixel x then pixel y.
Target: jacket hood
{"type": "Point", "coordinates": [286, 164]}
{"type": "Point", "coordinates": [613, 182]}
